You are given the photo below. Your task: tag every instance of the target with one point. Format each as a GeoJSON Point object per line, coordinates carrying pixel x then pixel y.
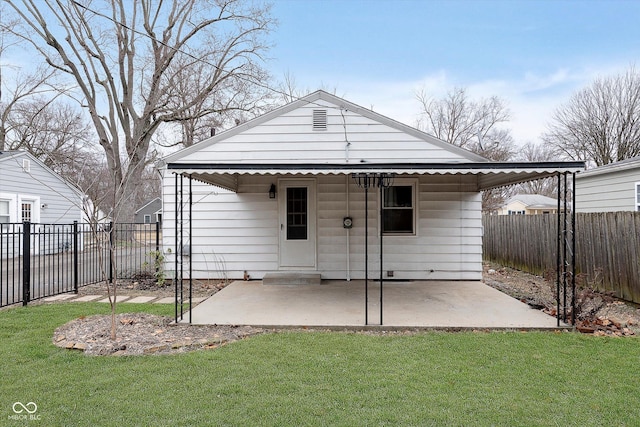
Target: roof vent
{"type": "Point", "coordinates": [319, 119]}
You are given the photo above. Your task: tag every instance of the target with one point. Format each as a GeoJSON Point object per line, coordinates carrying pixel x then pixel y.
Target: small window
{"type": "Point", "coordinates": [638, 196]}
{"type": "Point", "coordinates": [26, 211]}
{"type": "Point", "coordinates": [319, 119]}
{"type": "Point", "coordinates": [147, 219]}
{"type": "Point", "coordinates": [5, 217]}
{"type": "Point", "coordinates": [26, 165]}
{"type": "Point", "coordinates": [398, 209]}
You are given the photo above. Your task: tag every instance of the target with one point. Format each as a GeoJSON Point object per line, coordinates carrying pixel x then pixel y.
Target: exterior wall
{"type": "Point", "coordinates": [56, 205]}
{"type": "Point", "coordinates": [237, 232]}
{"type": "Point", "coordinates": [520, 207]}
{"type": "Point", "coordinates": [149, 209]}
{"type": "Point", "coordinates": [516, 206]}
{"type": "Point", "coordinates": [55, 201]}
{"type": "Point", "coordinates": [607, 192]}
{"type": "Point", "coordinates": [349, 137]}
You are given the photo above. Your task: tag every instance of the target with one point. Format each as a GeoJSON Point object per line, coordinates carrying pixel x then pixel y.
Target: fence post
{"type": "Point", "coordinates": [157, 249]}
{"type": "Point", "coordinates": [111, 251]}
{"type": "Point", "coordinates": [26, 262]}
{"type": "Point", "coordinates": [75, 257]}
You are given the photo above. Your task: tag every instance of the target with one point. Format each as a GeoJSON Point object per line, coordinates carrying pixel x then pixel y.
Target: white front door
{"type": "Point", "coordinates": [297, 199]}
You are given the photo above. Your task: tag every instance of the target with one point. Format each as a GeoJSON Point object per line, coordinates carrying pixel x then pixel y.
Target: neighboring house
{"type": "Point", "coordinates": [30, 191]}
{"type": "Point", "coordinates": [609, 188]}
{"type": "Point", "coordinates": [283, 192]}
{"type": "Point", "coordinates": [150, 212]}
{"type": "Point", "coordinates": [529, 204]}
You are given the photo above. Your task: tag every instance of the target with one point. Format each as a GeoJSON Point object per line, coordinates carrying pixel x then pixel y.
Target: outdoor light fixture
{"type": "Point", "coordinates": [272, 191]}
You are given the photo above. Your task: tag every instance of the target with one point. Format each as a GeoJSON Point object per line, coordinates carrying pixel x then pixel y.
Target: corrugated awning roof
{"type": "Point", "coordinates": [490, 174]}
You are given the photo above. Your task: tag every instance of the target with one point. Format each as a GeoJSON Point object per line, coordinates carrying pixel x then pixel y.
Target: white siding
{"type": "Point", "coordinates": [290, 138]}
{"type": "Point", "coordinates": [237, 232]}
{"type": "Point", "coordinates": [62, 204]}
{"type": "Point", "coordinates": [609, 192]}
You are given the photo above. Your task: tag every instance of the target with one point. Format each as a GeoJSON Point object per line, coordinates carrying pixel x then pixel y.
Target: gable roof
{"type": "Point", "coordinates": [353, 140]}
{"type": "Point", "coordinates": [532, 200]}
{"type": "Point", "coordinates": [349, 120]}
{"type": "Point", "coordinates": [14, 154]}
{"type": "Point", "coordinates": [150, 202]}
{"type": "Point", "coordinates": [622, 165]}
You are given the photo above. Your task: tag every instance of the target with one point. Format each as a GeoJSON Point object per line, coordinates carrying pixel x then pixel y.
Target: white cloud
{"type": "Point", "coordinates": [531, 97]}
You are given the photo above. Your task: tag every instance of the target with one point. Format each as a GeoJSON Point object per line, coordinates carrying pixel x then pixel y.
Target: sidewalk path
{"type": "Point", "coordinates": [120, 298]}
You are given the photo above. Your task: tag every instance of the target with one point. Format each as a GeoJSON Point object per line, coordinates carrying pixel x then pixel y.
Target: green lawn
{"type": "Point", "coordinates": [318, 378]}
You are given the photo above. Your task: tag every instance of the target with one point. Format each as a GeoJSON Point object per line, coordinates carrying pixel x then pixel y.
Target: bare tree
{"type": "Point", "coordinates": [531, 152]}
{"type": "Point", "coordinates": [54, 132]}
{"type": "Point", "coordinates": [127, 59]}
{"type": "Point", "coordinates": [601, 123]}
{"type": "Point", "coordinates": [17, 91]}
{"type": "Point", "coordinates": [473, 125]}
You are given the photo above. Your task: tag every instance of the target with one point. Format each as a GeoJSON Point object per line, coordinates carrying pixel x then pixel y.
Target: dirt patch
{"type": "Point", "coordinates": [596, 313]}
{"type": "Point", "coordinates": [142, 333]}
{"type": "Point", "coordinates": [144, 286]}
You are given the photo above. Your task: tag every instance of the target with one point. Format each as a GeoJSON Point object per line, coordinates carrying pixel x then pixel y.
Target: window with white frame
{"type": "Point", "coordinates": [7, 209]}
{"type": "Point", "coordinates": [147, 219]}
{"type": "Point", "coordinates": [399, 209]}
{"type": "Point", "coordinates": [28, 208]}
{"type": "Point", "coordinates": [5, 213]}
{"type": "Point", "coordinates": [638, 196]}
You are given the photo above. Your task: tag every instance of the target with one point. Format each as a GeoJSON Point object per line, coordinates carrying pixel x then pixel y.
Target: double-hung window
{"type": "Point", "coordinates": [5, 216]}
{"type": "Point", "coordinates": [399, 206]}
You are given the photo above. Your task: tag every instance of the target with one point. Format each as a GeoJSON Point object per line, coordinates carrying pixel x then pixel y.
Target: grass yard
{"type": "Point", "coordinates": [321, 378]}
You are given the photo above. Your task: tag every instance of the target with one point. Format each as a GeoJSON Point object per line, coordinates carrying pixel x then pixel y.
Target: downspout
{"type": "Point", "coordinates": [348, 234]}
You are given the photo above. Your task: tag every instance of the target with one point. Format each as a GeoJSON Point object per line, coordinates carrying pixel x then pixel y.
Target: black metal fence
{"type": "Point", "coordinates": [42, 260]}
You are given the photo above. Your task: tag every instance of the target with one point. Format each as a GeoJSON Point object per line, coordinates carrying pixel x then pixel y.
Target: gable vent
{"type": "Point", "coordinates": [319, 119]}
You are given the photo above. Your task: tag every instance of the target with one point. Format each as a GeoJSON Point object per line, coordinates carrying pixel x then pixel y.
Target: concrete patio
{"type": "Point", "coordinates": [420, 304]}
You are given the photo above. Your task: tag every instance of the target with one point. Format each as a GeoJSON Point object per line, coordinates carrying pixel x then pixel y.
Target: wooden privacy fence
{"type": "Point", "coordinates": [607, 248]}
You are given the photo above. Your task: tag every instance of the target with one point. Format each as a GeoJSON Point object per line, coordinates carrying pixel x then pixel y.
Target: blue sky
{"type": "Point", "coordinates": [378, 53]}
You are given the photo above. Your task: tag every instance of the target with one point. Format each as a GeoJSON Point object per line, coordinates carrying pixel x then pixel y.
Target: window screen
{"type": "Point", "coordinates": [398, 209]}
{"type": "Point", "coordinates": [297, 213]}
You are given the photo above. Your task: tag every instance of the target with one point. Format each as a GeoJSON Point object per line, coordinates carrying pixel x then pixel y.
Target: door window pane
{"type": "Point", "coordinates": [297, 213]}
{"type": "Point", "coordinates": [27, 207]}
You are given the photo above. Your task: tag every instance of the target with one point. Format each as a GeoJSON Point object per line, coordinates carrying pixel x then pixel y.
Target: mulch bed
{"type": "Point", "coordinates": [142, 333]}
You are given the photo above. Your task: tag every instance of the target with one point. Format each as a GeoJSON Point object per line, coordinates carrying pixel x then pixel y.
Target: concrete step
{"type": "Point", "coordinates": [291, 278]}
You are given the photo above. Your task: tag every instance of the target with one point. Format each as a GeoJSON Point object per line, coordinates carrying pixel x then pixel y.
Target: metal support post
{"type": "Point", "coordinates": [381, 185]}
{"type": "Point", "coordinates": [558, 237]}
{"type": "Point", "coordinates": [75, 257]}
{"type": "Point", "coordinates": [190, 246]}
{"type": "Point", "coordinates": [175, 239]}
{"type": "Point", "coordinates": [573, 249]}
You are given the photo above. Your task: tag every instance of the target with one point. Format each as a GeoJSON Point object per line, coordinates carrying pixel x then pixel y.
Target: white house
{"type": "Point", "coordinates": [529, 204]}
{"type": "Point", "coordinates": [609, 188]}
{"type": "Point", "coordinates": [30, 191]}
{"type": "Point", "coordinates": [284, 192]}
